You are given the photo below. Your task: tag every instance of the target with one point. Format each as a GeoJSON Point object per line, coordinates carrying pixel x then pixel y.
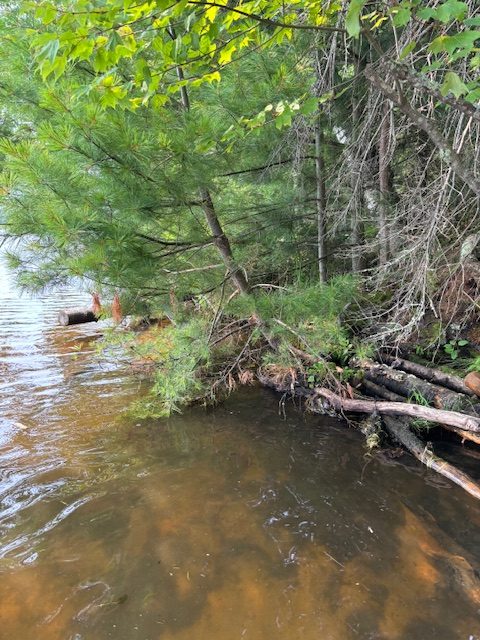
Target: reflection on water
{"type": "Point", "coordinates": [214, 525]}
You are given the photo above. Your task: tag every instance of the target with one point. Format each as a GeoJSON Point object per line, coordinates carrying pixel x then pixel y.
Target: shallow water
{"type": "Point", "coordinates": [237, 523]}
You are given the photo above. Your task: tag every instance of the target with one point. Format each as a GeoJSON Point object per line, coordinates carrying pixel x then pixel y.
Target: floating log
{"type": "Point", "coordinates": [67, 317]}
{"type": "Point", "coordinates": [452, 418]}
{"type": "Point", "coordinates": [432, 375]}
{"type": "Point", "coordinates": [398, 428]}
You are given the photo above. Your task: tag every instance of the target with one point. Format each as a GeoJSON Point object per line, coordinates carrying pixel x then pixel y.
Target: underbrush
{"type": "Point", "coordinates": [207, 351]}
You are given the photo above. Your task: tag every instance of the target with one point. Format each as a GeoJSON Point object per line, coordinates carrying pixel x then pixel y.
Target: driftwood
{"type": "Point", "coordinates": [409, 385]}
{"type": "Point", "coordinates": [440, 416]}
{"type": "Point", "coordinates": [399, 429]}
{"type": "Point", "coordinates": [76, 316]}
{"type": "Point", "coordinates": [431, 375]}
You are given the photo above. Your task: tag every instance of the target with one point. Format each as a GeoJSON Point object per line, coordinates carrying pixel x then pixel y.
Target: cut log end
{"type": "Point", "coordinates": [76, 316]}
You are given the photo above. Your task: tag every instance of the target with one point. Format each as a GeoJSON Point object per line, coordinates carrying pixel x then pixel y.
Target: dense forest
{"type": "Point", "coordinates": [290, 186]}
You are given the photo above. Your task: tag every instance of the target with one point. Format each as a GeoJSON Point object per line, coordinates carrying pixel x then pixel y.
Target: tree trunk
{"type": "Point", "coordinates": [220, 240]}
{"type": "Point", "coordinates": [384, 185]}
{"type": "Point", "coordinates": [378, 391]}
{"type": "Point", "coordinates": [408, 385]}
{"type": "Point", "coordinates": [76, 316]}
{"type": "Point", "coordinates": [356, 182]}
{"type": "Point", "coordinates": [321, 202]}
{"type": "Point", "coordinates": [222, 243]}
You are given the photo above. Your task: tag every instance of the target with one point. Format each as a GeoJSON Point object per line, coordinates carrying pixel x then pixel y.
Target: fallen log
{"type": "Point", "coordinates": [440, 416]}
{"type": "Point", "coordinates": [399, 430]}
{"type": "Point", "coordinates": [431, 375]}
{"type": "Point", "coordinates": [76, 316]}
{"type": "Point", "coordinates": [377, 391]}
{"type": "Point", "coordinates": [284, 385]}
{"type": "Point", "coordinates": [464, 435]}
{"type": "Point", "coordinates": [396, 426]}
{"type": "Point", "coordinates": [409, 385]}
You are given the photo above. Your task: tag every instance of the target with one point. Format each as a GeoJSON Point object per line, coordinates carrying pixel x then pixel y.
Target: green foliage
{"type": "Point", "coordinates": [206, 41]}
{"type": "Point", "coordinates": [133, 111]}
{"type": "Point", "coordinates": [421, 425]}
{"type": "Point", "coordinates": [317, 373]}
{"type": "Point", "coordinates": [352, 20]}
{"type": "Point", "coordinates": [474, 365]}
{"type": "Point", "coordinates": [364, 350]}
{"type": "Point", "coordinates": [452, 348]}
{"type": "Point", "coordinates": [416, 397]}
{"type": "Point", "coordinates": [182, 354]}
{"type": "Point", "coordinates": [453, 84]}
{"type": "Point", "coordinates": [307, 316]}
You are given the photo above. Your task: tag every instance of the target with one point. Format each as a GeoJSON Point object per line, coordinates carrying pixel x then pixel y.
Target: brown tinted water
{"type": "Point", "coordinates": [237, 523]}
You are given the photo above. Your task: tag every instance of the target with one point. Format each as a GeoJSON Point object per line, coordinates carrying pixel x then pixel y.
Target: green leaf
{"type": "Point", "coordinates": [407, 50]}
{"type": "Point", "coordinates": [472, 22]}
{"type": "Point", "coordinates": [453, 84]}
{"type": "Point", "coordinates": [464, 40]}
{"type": "Point", "coordinates": [473, 96]}
{"type": "Point", "coordinates": [352, 19]}
{"type": "Point", "coordinates": [450, 10]}
{"type": "Point", "coordinates": [402, 15]}
{"type": "Point", "coordinates": [325, 97]}
{"type": "Point", "coordinates": [284, 119]}
{"type": "Point", "coordinates": [309, 106]}
{"type": "Point", "coordinates": [49, 51]}
{"type": "Point", "coordinates": [83, 50]}
{"type": "Point", "coordinates": [46, 13]}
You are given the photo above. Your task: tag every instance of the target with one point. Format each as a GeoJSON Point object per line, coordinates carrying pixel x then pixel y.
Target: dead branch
{"type": "Point", "coordinates": [440, 416]}
{"type": "Point", "coordinates": [399, 429]}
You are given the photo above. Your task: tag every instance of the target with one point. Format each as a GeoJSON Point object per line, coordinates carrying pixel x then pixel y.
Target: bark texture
{"type": "Point", "coordinates": [431, 375]}
{"type": "Point", "coordinates": [409, 385]}
{"type": "Point", "coordinates": [67, 317]}
{"type": "Point", "coordinates": [354, 405]}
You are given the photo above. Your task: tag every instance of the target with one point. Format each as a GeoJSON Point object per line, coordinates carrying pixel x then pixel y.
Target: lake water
{"type": "Point", "coordinates": [239, 523]}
